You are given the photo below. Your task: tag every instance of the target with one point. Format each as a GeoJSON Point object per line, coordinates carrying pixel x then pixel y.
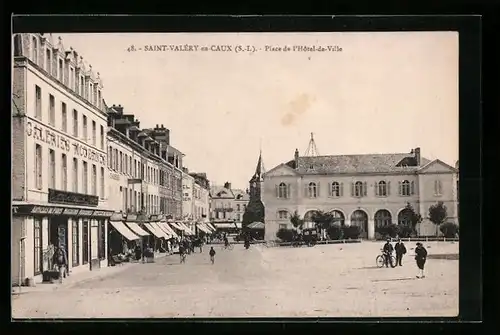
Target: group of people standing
{"type": "Point", "coordinates": [400, 250]}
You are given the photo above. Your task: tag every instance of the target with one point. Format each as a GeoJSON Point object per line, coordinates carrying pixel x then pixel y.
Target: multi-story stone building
{"type": "Point", "coordinates": [187, 195]}
{"type": "Point", "coordinates": [365, 190]}
{"type": "Point", "coordinates": [227, 206]}
{"type": "Point", "coordinates": [59, 177]}
{"type": "Point", "coordinates": [201, 194]}
{"type": "Point", "coordinates": [141, 177]}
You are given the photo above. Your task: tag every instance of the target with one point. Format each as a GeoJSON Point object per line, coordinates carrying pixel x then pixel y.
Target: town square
{"type": "Point", "coordinates": [219, 180]}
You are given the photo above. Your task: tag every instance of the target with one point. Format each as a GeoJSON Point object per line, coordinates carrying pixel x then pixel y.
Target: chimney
{"type": "Point", "coordinates": [227, 185]}
{"type": "Point", "coordinates": [296, 157]}
{"type": "Point", "coordinates": [416, 151]}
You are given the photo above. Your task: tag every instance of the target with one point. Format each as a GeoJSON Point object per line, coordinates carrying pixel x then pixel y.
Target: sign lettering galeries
{"type": "Point", "coordinates": [56, 140]}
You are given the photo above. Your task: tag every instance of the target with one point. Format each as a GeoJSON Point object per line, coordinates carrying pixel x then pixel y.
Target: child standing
{"type": "Point", "coordinates": [212, 255]}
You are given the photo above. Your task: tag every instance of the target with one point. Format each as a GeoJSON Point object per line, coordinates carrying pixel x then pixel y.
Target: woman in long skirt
{"type": "Point", "coordinates": [420, 257]}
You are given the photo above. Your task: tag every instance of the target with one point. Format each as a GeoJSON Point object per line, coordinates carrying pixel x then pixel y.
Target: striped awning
{"type": "Point", "coordinates": [157, 226]}
{"type": "Point", "coordinates": [224, 225]}
{"type": "Point", "coordinates": [256, 225]}
{"type": "Point", "coordinates": [185, 228]}
{"type": "Point", "coordinates": [175, 225]}
{"type": "Point", "coordinates": [211, 226]}
{"type": "Point", "coordinates": [208, 227]}
{"type": "Point", "coordinates": [166, 228]}
{"type": "Point", "coordinates": [203, 228]}
{"type": "Point", "coordinates": [136, 229]}
{"type": "Point", "coordinates": [154, 230]}
{"type": "Point", "coordinates": [124, 231]}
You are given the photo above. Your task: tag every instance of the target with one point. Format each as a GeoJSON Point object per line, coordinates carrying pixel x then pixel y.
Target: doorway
{"type": "Point", "coordinates": [58, 232]}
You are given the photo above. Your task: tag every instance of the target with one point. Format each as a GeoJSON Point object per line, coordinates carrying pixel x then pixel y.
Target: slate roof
{"type": "Point", "coordinates": [245, 195]}
{"type": "Point", "coordinates": [217, 192]}
{"type": "Point", "coordinates": [369, 163]}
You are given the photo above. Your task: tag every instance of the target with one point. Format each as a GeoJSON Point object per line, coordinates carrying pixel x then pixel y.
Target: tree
{"type": "Point", "coordinates": [322, 220]}
{"type": "Point", "coordinates": [296, 221]}
{"type": "Point", "coordinates": [414, 217]}
{"type": "Point", "coordinates": [438, 214]}
{"type": "Point", "coordinates": [253, 213]}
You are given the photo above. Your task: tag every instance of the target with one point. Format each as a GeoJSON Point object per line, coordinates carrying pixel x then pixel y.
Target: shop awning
{"type": "Point", "coordinates": [124, 231]}
{"type": "Point", "coordinates": [256, 225]}
{"type": "Point", "coordinates": [238, 225]}
{"type": "Point", "coordinates": [224, 225]}
{"type": "Point", "coordinates": [211, 226]}
{"type": "Point", "coordinates": [185, 228]}
{"type": "Point", "coordinates": [157, 226]}
{"type": "Point", "coordinates": [136, 229]}
{"type": "Point", "coordinates": [203, 228]}
{"type": "Point", "coordinates": [207, 227]}
{"type": "Point", "coordinates": [154, 230]}
{"type": "Point", "coordinates": [166, 228]}
{"type": "Point", "coordinates": [175, 225]}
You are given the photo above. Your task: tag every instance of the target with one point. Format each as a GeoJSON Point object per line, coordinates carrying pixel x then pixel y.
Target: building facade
{"type": "Point", "coordinates": [59, 178]}
{"type": "Point", "coordinates": [141, 179]}
{"type": "Point", "coordinates": [187, 196]}
{"type": "Point", "coordinates": [364, 190]}
{"type": "Point", "coordinates": [227, 205]}
{"type": "Point", "coordinates": [201, 195]}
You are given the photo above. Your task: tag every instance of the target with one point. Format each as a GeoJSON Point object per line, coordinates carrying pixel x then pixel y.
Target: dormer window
{"type": "Point", "coordinates": [48, 61]}
{"type": "Point", "coordinates": [311, 167]}
{"type": "Point", "coordinates": [72, 78]}
{"type": "Point", "coordinates": [82, 86]}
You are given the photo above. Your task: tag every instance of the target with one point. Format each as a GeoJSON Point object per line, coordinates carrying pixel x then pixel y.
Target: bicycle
{"type": "Point", "coordinates": [380, 260]}
{"type": "Point", "coordinates": [229, 246]}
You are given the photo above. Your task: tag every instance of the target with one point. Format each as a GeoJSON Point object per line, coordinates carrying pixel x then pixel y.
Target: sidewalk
{"type": "Point", "coordinates": [76, 279]}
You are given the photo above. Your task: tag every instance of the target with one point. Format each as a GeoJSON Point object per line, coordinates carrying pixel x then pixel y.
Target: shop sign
{"type": "Point", "coordinates": [47, 210]}
{"type": "Point", "coordinates": [56, 140]}
{"type": "Point", "coordinates": [86, 212]}
{"type": "Point", "coordinates": [71, 211]}
{"type": "Point", "coordinates": [63, 197]}
{"type": "Point", "coordinates": [102, 213]}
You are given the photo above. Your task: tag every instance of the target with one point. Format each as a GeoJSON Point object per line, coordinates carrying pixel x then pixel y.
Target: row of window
{"type": "Point", "coordinates": [66, 74]}
{"type": "Point", "coordinates": [358, 189]}
{"type": "Point", "coordinates": [75, 174]}
{"type": "Point", "coordinates": [382, 217]}
{"type": "Point", "coordinates": [122, 163]}
{"type": "Point", "coordinates": [76, 132]}
{"type": "Point", "coordinates": [136, 200]}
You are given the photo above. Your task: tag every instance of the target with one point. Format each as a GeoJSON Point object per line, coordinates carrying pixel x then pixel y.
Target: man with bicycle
{"type": "Point", "coordinates": [387, 250]}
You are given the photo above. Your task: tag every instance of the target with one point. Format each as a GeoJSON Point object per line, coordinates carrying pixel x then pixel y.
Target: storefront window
{"type": "Point", "coordinates": [74, 244]}
{"type": "Point", "coordinates": [37, 243]}
{"type": "Point", "coordinates": [85, 242]}
{"type": "Point", "coordinates": [102, 240]}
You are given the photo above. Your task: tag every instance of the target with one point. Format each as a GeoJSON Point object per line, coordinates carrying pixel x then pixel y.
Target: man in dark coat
{"type": "Point", "coordinates": [420, 257]}
{"type": "Point", "coordinates": [400, 249]}
{"type": "Point", "coordinates": [387, 250]}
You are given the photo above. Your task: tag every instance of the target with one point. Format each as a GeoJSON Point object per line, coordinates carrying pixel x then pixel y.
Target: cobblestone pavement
{"type": "Point", "coordinates": [328, 280]}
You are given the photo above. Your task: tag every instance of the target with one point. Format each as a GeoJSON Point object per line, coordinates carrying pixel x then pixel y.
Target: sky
{"type": "Point", "coordinates": [382, 93]}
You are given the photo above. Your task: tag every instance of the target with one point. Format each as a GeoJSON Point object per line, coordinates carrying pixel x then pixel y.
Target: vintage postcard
{"type": "Point", "coordinates": [167, 175]}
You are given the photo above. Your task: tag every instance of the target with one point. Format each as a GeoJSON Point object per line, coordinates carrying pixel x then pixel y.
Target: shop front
{"type": "Point", "coordinates": [38, 229]}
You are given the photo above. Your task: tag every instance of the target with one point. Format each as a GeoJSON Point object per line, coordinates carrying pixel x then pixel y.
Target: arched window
{"type": "Point", "coordinates": [382, 188]}
{"type": "Point", "coordinates": [312, 190]}
{"type": "Point", "coordinates": [358, 189]}
{"type": "Point", "coordinates": [282, 190]}
{"type": "Point", "coordinates": [382, 218]}
{"type": "Point", "coordinates": [338, 217]}
{"type": "Point", "coordinates": [360, 218]}
{"type": "Point", "coordinates": [405, 188]}
{"type": "Point", "coordinates": [335, 189]}
{"type": "Point", "coordinates": [283, 215]}
{"type": "Point", "coordinates": [404, 217]}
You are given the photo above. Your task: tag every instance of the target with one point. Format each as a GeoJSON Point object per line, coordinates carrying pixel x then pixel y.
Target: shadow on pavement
{"type": "Point", "coordinates": [368, 268]}
{"type": "Point", "coordinates": [450, 257]}
{"type": "Point", "coordinates": [395, 279]}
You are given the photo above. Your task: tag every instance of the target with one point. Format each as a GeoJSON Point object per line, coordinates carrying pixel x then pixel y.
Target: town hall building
{"type": "Point", "coordinates": [367, 190]}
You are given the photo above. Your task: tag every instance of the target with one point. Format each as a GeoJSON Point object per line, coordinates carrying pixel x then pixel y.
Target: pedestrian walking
{"type": "Point", "coordinates": [182, 253]}
{"type": "Point", "coordinates": [212, 255]}
{"type": "Point", "coordinates": [420, 257]}
{"type": "Point", "coordinates": [400, 249]}
{"type": "Point", "coordinates": [60, 261]}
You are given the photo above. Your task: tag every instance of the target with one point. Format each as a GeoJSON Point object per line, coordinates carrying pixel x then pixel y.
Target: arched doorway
{"type": "Point", "coordinates": [338, 217]}
{"type": "Point", "coordinates": [360, 218]}
{"type": "Point", "coordinates": [383, 218]}
{"type": "Point", "coordinates": [308, 222]}
{"type": "Point", "coordinates": [404, 217]}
